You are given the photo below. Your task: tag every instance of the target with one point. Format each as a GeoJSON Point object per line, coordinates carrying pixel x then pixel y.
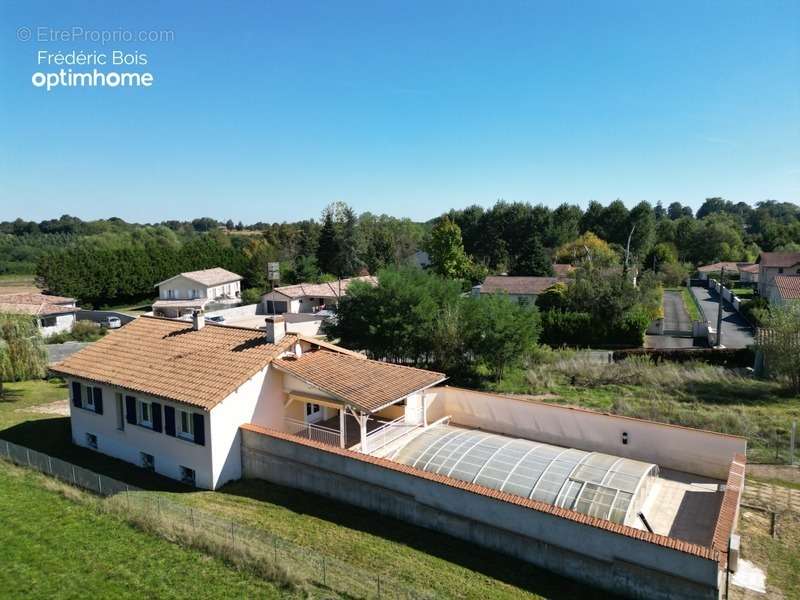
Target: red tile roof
{"type": "Point", "coordinates": [207, 277]}
{"type": "Point", "coordinates": [168, 359]}
{"type": "Point", "coordinates": [788, 286]}
{"type": "Point", "coordinates": [779, 259]}
{"type": "Point", "coordinates": [729, 510]}
{"type": "Point", "coordinates": [37, 304]}
{"type": "Point", "coordinates": [646, 536]}
{"type": "Point", "coordinates": [330, 289]}
{"type": "Point", "coordinates": [523, 286]}
{"type": "Point", "coordinates": [717, 266]}
{"type": "Point", "coordinates": [367, 384]}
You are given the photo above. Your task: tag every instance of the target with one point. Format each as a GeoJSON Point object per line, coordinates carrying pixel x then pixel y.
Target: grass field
{"type": "Point", "coordinates": [417, 557]}
{"type": "Point", "coordinates": [17, 284]}
{"type": "Point", "coordinates": [693, 395]}
{"type": "Point", "coordinates": [51, 546]}
{"type": "Point", "coordinates": [745, 293]}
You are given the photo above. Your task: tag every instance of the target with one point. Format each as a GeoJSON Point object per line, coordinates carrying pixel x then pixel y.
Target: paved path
{"type": "Point", "coordinates": [58, 352]}
{"type": "Point", "coordinates": [736, 333]}
{"type": "Point", "coordinates": [676, 319]}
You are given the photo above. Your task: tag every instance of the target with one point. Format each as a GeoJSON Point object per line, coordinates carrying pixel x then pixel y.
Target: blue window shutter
{"type": "Point", "coordinates": [156, 408]}
{"type": "Point", "coordinates": [199, 429]}
{"type": "Point", "coordinates": [169, 420]}
{"type": "Point", "coordinates": [130, 409]}
{"type": "Point", "coordinates": [76, 394]}
{"type": "Point", "coordinates": [98, 400]}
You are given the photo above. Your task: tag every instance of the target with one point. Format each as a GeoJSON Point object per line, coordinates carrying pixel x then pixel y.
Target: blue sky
{"type": "Point", "coordinates": [268, 111]}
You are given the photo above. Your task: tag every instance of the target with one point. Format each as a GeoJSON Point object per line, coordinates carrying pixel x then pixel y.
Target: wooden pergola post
{"type": "Point", "coordinates": [362, 421]}
{"type": "Point", "coordinates": [342, 432]}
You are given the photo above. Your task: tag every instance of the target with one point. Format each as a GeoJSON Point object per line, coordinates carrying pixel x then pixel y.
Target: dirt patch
{"type": "Point", "coordinates": [59, 407]}
{"type": "Point", "coordinates": [781, 472]}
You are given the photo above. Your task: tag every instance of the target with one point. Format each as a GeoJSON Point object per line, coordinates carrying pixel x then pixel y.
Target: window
{"type": "Point", "coordinates": [145, 414]}
{"type": "Point", "coordinates": [171, 294]}
{"type": "Point", "coordinates": [312, 409]}
{"type": "Point", "coordinates": [780, 270]}
{"type": "Point", "coordinates": [120, 411]}
{"type": "Point", "coordinates": [48, 321]}
{"type": "Point", "coordinates": [148, 461]}
{"type": "Point", "coordinates": [91, 441]}
{"type": "Point", "coordinates": [88, 403]}
{"type": "Point", "coordinates": [187, 475]}
{"type": "Point", "coordinates": [186, 425]}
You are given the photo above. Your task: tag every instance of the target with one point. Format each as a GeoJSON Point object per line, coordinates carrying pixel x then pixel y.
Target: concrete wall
{"type": "Point", "coordinates": [596, 556]}
{"type": "Point", "coordinates": [679, 448]}
{"type": "Point", "coordinates": [237, 312]}
{"type": "Point", "coordinates": [170, 452]}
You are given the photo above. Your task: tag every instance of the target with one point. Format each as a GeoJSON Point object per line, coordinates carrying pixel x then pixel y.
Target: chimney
{"type": "Point", "coordinates": [276, 328]}
{"type": "Point", "coordinates": [198, 320]}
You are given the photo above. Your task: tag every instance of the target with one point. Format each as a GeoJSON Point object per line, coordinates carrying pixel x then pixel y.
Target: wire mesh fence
{"type": "Point", "coordinates": [275, 557]}
{"type": "Point", "coordinates": [775, 446]}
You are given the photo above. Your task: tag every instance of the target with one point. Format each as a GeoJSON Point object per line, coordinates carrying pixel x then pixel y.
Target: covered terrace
{"type": "Point", "coordinates": [347, 400]}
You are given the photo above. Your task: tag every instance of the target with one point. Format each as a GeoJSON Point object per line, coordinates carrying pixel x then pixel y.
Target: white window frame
{"type": "Point", "coordinates": [49, 321]}
{"type": "Point", "coordinates": [88, 398]}
{"type": "Point", "coordinates": [187, 434]}
{"type": "Point", "coordinates": [140, 413]}
{"type": "Point", "coordinates": [313, 412]}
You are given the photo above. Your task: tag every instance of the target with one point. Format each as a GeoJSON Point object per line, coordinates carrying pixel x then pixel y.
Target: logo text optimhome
{"type": "Point", "coordinates": [69, 77]}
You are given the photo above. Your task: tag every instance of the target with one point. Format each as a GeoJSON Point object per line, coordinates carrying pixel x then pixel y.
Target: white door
{"type": "Point", "coordinates": [313, 413]}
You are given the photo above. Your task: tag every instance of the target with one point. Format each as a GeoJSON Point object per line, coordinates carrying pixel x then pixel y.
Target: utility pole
{"type": "Point", "coordinates": [719, 311]}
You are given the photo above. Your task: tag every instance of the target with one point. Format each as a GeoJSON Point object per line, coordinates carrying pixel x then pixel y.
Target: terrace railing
{"type": "Point", "coordinates": [388, 432]}
{"type": "Point", "coordinates": [311, 431]}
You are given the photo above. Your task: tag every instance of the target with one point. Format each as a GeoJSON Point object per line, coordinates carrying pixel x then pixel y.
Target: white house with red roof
{"type": "Point", "coordinates": [53, 314]}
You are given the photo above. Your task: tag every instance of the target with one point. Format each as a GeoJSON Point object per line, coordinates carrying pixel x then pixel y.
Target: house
{"type": "Point", "coordinates": [748, 272]}
{"type": "Point", "coordinates": [786, 288]}
{"type": "Point", "coordinates": [772, 264]}
{"type": "Point", "coordinates": [309, 297]}
{"type": "Point", "coordinates": [208, 289]}
{"type": "Point", "coordinates": [705, 271]}
{"type": "Point", "coordinates": [581, 493]}
{"type": "Point", "coordinates": [563, 269]}
{"type": "Point", "coordinates": [53, 314]}
{"type": "Point", "coordinates": [522, 289]}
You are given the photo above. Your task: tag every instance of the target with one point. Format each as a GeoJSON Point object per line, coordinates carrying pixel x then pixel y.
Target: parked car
{"type": "Point", "coordinates": [112, 322]}
{"type": "Point", "coordinates": [219, 319]}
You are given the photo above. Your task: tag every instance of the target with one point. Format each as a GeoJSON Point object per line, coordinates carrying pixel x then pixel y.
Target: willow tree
{"type": "Point", "coordinates": [22, 353]}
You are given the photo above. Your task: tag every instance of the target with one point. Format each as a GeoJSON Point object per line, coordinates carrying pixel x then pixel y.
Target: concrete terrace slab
{"type": "Point", "coordinates": [683, 506]}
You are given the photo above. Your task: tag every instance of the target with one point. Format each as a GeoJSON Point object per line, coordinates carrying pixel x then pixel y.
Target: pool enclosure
{"type": "Point", "coordinates": [592, 483]}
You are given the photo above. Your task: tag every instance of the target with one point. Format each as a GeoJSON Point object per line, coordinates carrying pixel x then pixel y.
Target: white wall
{"type": "Point", "coordinates": [63, 323]}
{"type": "Point", "coordinates": [170, 452]}
{"type": "Point", "coordinates": [182, 289]}
{"type": "Point", "coordinates": [679, 448]}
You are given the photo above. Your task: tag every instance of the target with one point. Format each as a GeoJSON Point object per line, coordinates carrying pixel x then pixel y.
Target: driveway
{"type": "Point", "coordinates": [676, 319]}
{"type": "Point", "coordinates": [736, 333]}
{"type": "Point", "coordinates": [58, 352]}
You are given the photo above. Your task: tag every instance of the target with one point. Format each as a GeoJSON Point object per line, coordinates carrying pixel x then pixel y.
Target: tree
{"type": "Point", "coordinates": [499, 332]}
{"type": "Point", "coordinates": [533, 260]}
{"type": "Point", "coordinates": [327, 249]}
{"type": "Point", "coordinates": [780, 342]}
{"type": "Point", "coordinates": [586, 248]}
{"type": "Point", "coordinates": [22, 353]}
{"type": "Point", "coordinates": [643, 223]}
{"type": "Point", "coordinates": [446, 250]}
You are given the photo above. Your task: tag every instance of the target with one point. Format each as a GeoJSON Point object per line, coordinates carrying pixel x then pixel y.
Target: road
{"type": "Point", "coordinates": [677, 325]}
{"type": "Point", "coordinates": [736, 333]}
{"type": "Point", "coordinates": [58, 352]}
{"type": "Point", "coordinates": [676, 319]}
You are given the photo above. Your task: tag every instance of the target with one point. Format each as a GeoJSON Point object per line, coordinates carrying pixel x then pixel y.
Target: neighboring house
{"type": "Point", "coordinates": [53, 314]}
{"type": "Point", "coordinates": [772, 264]}
{"type": "Point", "coordinates": [522, 289]}
{"type": "Point", "coordinates": [421, 259]}
{"type": "Point", "coordinates": [182, 294]}
{"type": "Point", "coordinates": [309, 297]}
{"type": "Point", "coordinates": [786, 288]}
{"type": "Point", "coordinates": [563, 269]}
{"type": "Point", "coordinates": [706, 271]}
{"type": "Point", "coordinates": [748, 272]}
{"type": "Point", "coordinates": [632, 506]}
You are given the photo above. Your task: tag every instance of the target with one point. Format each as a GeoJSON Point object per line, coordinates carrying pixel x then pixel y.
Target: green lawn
{"type": "Point", "coordinates": [745, 293]}
{"type": "Point", "coordinates": [54, 547]}
{"type": "Point", "coordinates": [417, 557]}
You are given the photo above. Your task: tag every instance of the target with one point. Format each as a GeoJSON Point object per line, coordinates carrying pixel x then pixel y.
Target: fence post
{"type": "Point", "coordinates": [99, 485]}
{"type": "Point", "coordinates": [191, 516]}
{"type": "Point", "coordinates": [275, 545]}
{"type": "Point", "coordinates": [324, 572]}
{"type": "Point", "coordinates": [792, 442]}
{"type": "Point", "coordinates": [128, 495]}
{"type": "Point", "coordinates": [8, 451]}
{"type": "Point", "coordinates": [379, 586]}
{"type": "Point", "coordinates": [28, 454]}
{"type": "Point", "coordinates": [233, 538]}
{"type": "Point", "coordinates": [74, 479]}
{"type": "Point", "coordinates": [50, 464]}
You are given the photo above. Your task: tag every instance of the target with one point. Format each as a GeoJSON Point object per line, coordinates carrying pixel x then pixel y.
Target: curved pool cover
{"type": "Point", "coordinates": [592, 483]}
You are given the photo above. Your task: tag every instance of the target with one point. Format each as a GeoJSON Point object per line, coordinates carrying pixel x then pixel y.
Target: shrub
{"type": "Point", "coordinates": [566, 328]}
{"type": "Point", "coordinates": [251, 296]}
